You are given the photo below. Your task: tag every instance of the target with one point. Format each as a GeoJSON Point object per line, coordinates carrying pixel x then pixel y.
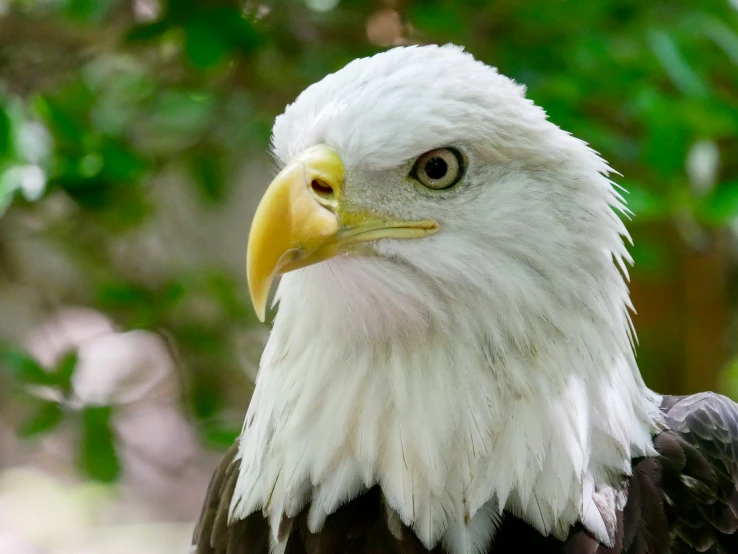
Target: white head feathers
{"type": "Point", "coordinates": [483, 368]}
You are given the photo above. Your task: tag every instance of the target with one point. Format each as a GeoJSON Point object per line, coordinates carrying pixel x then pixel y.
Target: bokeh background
{"type": "Point", "coordinates": [133, 151]}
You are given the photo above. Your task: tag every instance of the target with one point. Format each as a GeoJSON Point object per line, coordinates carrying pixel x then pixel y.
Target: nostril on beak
{"type": "Point", "coordinates": [322, 189]}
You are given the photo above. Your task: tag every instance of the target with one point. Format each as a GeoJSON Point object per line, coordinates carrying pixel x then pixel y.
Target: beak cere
{"type": "Point", "coordinates": [301, 221]}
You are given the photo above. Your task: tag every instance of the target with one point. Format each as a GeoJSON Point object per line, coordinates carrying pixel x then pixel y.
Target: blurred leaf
{"type": "Point", "coordinates": [129, 298]}
{"type": "Point", "coordinates": [205, 45]}
{"type": "Point", "coordinates": [88, 10]}
{"type": "Point", "coordinates": [681, 74]}
{"type": "Point", "coordinates": [709, 119]}
{"type": "Point", "coordinates": [242, 32]}
{"type": "Point", "coordinates": [666, 147]}
{"type": "Point", "coordinates": [131, 210]}
{"type": "Point", "coordinates": [644, 203]}
{"type": "Point", "coordinates": [24, 367]}
{"type": "Point", "coordinates": [229, 294]}
{"type": "Point", "coordinates": [138, 306]}
{"type": "Point", "coordinates": [98, 456]}
{"type": "Point", "coordinates": [208, 173]}
{"type": "Point", "coordinates": [207, 398]}
{"type": "Point", "coordinates": [722, 35]}
{"type": "Point", "coordinates": [148, 31]}
{"type": "Point", "coordinates": [66, 124]}
{"type": "Point", "coordinates": [121, 163]}
{"type": "Point", "coordinates": [172, 293]}
{"type": "Point", "coordinates": [182, 111]}
{"type": "Point", "coordinates": [65, 371]}
{"type": "Point", "coordinates": [219, 437]}
{"type": "Point", "coordinates": [117, 295]}
{"type": "Point", "coordinates": [45, 418]}
{"type": "Point", "coordinates": [8, 187]}
{"type": "Point", "coordinates": [667, 138]}
{"type": "Point", "coordinates": [6, 142]}
{"type": "Point", "coordinates": [649, 257]}
{"type": "Point", "coordinates": [720, 206]}
{"type": "Point", "coordinates": [437, 18]}
{"type": "Point", "coordinates": [93, 193]}
{"type": "Point", "coordinates": [729, 379]}
{"type": "Point", "coordinates": [200, 339]}
{"type": "Point", "coordinates": [90, 165]}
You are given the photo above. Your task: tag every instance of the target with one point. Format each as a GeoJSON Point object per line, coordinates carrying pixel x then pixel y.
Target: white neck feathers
{"type": "Point", "coordinates": [370, 377]}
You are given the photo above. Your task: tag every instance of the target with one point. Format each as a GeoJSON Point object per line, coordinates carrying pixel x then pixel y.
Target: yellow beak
{"type": "Point", "coordinates": [301, 220]}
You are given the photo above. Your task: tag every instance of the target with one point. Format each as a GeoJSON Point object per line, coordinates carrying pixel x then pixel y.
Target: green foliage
{"type": "Point", "coordinates": [98, 458]}
{"type": "Point", "coordinates": [64, 372]}
{"type": "Point", "coordinates": [45, 418]}
{"type": "Point", "coordinates": [27, 371]}
{"type": "Point", "coordinates": [25, 368]}
{"type": "Point", "coordinates": [220, 437]}
{"type": "Point", "coordinates": [722, 205]}
{"type": "Point", "coordinates": [97, 455]}
{"type": "Point", "coordinates": [23, 153]}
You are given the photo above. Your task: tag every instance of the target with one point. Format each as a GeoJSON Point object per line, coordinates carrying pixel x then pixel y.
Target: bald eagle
{"type": "Point", "coordinates": [451, 368]}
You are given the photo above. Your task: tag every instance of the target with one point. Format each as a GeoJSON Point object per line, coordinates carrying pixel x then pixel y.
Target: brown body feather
{"type": "Point", "coordinates": [683, 501]}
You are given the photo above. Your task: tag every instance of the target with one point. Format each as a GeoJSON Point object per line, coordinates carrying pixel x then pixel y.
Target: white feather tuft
{"type": "Point", "coordinates": [473, 536]}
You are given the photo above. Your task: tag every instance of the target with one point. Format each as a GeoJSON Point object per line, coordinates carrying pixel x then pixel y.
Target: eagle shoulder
{"type": "Point", "coordinates": [213, 533]}
{"type": "Point", "coordinates": [699, 481]}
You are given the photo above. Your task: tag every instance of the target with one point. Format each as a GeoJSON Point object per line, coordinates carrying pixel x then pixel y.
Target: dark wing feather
{"type": "Point", "coordinates": [700, 472]}
{"type": "Point", "coordinates": [213, 534]}
{"type": "Point", "coordinates": [359, 527]}
{"type": "Point", "coordinates": [686, 499]}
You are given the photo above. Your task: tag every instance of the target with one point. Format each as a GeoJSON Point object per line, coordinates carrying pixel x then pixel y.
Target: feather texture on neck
{"type": "Point", "coordinates": [370, 377]}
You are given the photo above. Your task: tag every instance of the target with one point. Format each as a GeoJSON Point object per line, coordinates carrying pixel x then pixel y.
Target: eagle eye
{"type": "Point", "coordinates": [438, 169]}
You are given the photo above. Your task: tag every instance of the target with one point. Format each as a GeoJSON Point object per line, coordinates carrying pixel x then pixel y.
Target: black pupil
{"type": "Point", "coordinates": [436, 168]}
